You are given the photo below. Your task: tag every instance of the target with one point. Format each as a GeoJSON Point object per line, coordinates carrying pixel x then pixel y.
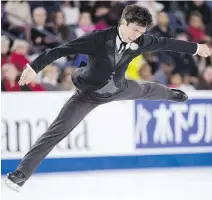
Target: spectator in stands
{"type": "Point", "coordinates": [101, 9]}
{"type": "Point", "coordinates": [145, 72]}
{"type": "Point", "coordinates": [9, 81]}
{"type": "Point", "coordinates": [205, 81]}
{"type": "Point", "coordinates": [175, 80]}
{"type": "Point", "coordinates": [19, 17]}
{"type": "Point", "coordinates": [152, 60]}
{"type": "Point", "coordinates": [102, 24]}
{"type": "Point", "coordinates": [196, 28]}
{"type": "Point", "coordinates": [99, 16]}
{"type": "Point", "coordinates": [42, 34]}
{"type": "Point", "coordinates": [50, 7]}
{"type": "Point", "coordinates": [186, 83]}
{"type": "Point", "coordinates": [201, 7]}
{"type": "Point", "coordinates": [5, 43]}
{"type": "Point", "coordinates": [182, 82]}
{"type": "Point", "coordinates": [154, 8]}
{"type": "Point", "coordinates": [71, 13]}
{"type": "Point", "coordinates": [163, 74]}
{"type": "Point", "coordinates": [66, 82]}
{"type": "Point", "coordinates": [50, 78]}
{"type": "Point", "coordinates": [85, 22]}
{"type": "Point", "coordinates": [19, 53]}
{"type": "Point", "coordinates": [87, 6]}
{"type": "Point", "coordinates": [114, 14]}
{"type": "Point", "coordinates": [162, 29]}
{"type": "Point", "coordinates": [177, 17]}
{"type": "Point", "coordinates": [185, 63]}
{"type": "Point", "coordinates": [59, 27]}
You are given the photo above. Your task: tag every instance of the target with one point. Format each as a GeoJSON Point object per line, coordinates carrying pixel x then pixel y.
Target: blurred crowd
{"type": "Point", "coordinates": [31, 27]}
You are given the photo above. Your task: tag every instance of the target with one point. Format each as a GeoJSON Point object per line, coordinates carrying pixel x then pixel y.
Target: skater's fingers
{"type": "Point", "coordinates": [23, 79]}
{"type": "Point", "coordinates": [27, 76]}
{"type": "Point", "coordinates": [28, 79]}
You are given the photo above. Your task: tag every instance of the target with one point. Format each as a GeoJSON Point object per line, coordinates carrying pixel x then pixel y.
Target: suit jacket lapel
{"type": "Point", "coordinates": [127, 56]}
{"type": "Point", "coordinates": [111, 44]}
{"type": "Point", "coordinates": [110, 48]}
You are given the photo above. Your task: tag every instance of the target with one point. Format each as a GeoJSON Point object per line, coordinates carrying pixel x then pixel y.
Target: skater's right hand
{"type": "Point", "coordinates": [27, 76]}
{"type": "Point", "coordinates": [204, 50]}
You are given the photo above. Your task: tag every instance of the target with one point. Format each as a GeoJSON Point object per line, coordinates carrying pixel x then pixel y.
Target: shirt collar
{"type": "Point", "coordinates": [119, 39]}
{"type": "Point", "coordinates": [120, 34]}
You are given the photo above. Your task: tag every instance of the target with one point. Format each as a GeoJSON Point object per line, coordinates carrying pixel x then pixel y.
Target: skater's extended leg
{"type": "Point", "coordinates": [71, 115]}
{"type": "Point", "coordinates": [151, 91]}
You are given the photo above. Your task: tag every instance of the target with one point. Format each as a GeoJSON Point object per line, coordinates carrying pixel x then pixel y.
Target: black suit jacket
{"type": "Point", "coordinates": [100, 48]}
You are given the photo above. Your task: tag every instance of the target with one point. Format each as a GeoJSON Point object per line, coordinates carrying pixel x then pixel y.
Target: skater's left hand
{"type": "Point", "coordinates": [27, 75]}
{"type": "Point", "coordinates": [204, 50]}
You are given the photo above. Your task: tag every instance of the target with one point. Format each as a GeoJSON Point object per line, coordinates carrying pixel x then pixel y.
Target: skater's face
{"type": "Point", "coordinates": [131, 31]}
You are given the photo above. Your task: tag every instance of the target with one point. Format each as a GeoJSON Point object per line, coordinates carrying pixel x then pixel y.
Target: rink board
{"type": "Point", "coordinates": [118, 135]}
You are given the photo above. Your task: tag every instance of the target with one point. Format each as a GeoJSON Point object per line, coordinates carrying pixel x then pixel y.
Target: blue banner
{"type": "Point", "coordinates": [162, 124]}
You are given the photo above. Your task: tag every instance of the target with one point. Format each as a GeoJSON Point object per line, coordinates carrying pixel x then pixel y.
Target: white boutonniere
{"type": "Point", "coordinates": [134, 46]}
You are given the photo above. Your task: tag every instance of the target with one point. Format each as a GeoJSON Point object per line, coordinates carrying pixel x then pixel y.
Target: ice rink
{"type": "Point", "coordinates": [164, 184]}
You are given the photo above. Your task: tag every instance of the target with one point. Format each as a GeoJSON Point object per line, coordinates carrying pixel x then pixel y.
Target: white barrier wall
{"type": "Point", "coordinates": [106, 130]}
{"type": "Point", "coordinates": [118, 135]}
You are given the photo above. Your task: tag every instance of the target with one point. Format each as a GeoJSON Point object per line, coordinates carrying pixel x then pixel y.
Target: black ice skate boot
{"type": "Point", "coordinates": [178, 96]}
{"type": "Point", "coordinates": [15, 180]}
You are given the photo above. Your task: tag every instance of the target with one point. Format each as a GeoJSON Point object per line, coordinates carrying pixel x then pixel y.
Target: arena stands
{"type": "Point", "coordinates": [39, 25]}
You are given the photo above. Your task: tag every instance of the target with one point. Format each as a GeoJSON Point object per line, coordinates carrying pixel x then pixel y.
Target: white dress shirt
{"type": "Point", "coordinates": [118, 41]}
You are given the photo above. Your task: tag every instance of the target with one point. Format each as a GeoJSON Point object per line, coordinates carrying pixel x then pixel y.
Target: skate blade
{"type": "Point", "coordinates": [12, 185]}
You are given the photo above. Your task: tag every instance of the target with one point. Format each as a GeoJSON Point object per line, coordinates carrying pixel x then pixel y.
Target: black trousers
{"type": "Point", "coordinates": [75, 110]}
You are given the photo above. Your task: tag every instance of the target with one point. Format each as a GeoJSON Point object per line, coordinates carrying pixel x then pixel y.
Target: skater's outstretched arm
{"type": "Point", "coordinates": [152, 43]}
{"type": "Point", "coordinates": [86, 44]}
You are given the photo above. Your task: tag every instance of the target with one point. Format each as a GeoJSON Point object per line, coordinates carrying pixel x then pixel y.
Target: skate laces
{"type": "Point", "coordinates": [177, 95]}
{"type": "Point", "coordinates": [18, 173]}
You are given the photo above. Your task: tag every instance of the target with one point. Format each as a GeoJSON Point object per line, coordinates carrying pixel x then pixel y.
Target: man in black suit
{"type": "Point", "coordinates": [102, 80]}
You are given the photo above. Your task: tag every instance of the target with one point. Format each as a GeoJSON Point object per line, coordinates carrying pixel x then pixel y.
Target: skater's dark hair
{"type": "Point", "coordinates": [137, 14]}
